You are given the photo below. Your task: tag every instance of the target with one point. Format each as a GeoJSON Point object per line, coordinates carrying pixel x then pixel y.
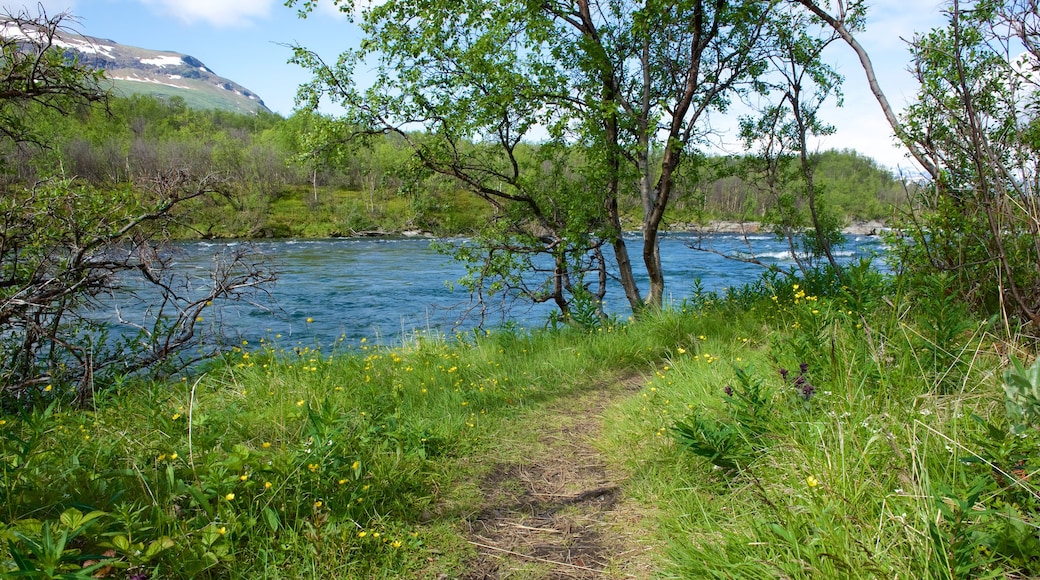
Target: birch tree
{"type": "Point", "coordinates": [972, 127]}
{"type": "Point", "coordinates": [552, 112]}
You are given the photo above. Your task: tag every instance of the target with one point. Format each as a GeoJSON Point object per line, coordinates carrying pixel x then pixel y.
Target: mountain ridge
{"type": "Point", "coordinates": [160, 73]}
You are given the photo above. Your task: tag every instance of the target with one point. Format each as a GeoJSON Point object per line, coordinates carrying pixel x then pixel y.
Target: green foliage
{"type": "Point", "coordinates": [64, 247]}
{"type": "Point", "coordinates": [734, 443]}
{"type": "Point", "coordinates": [36, 75]}
{"type": "Point", "coordinates": [41, 550]}
{"type": "Point", "coordinates": [280, 188]}
{"type": "Point", "coordinates": [780, 136]}
{"type": "Point", "coordinates": [484, 79]}
{"type": "Point", "coordinates": [943, 322]}
{"type": "Point", "coordinates": [804, 473]}
{"type": "Point", "coordinates": [65, 244]}
{"type": "Point", "coordinates": [281, 460]}
{"type": "Point", "coordinates": [1022, 395]}
{"type": "Point", "coordinates": [973, 117]}
{"type": "Point", "coordinates": [862, 462]}
{"type": "Point", "coordinates": [857, 187]}
{"type": "Point", "coordinates": [957, 536]}
{"type": "Point", "coordinates": [723, 188]}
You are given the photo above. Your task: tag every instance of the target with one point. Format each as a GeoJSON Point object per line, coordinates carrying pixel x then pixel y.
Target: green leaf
{"type": "Point", "coordinates": [271, 517]}
{"type": "Point", "coordinates": [21, 560]}
{"type": "Point", "coordinates": [157, 546]}
{"type": "Point", "coordinates": [200, 498]}
{"type": "Point", "coordinates": [75, 520]}
{"type": "Point", "coordinates": [121, 543]}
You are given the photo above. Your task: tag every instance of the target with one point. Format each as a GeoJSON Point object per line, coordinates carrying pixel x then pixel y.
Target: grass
{"type": "Point", "coordinates": [884, 450]}
{"type": "Point", "coordinates": [286, 462]}
{"type": "Point", "coordinates": [879, 470]}
{"type": "Point", "coordinates": [209, 98]}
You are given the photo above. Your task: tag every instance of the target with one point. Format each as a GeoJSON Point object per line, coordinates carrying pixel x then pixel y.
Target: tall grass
{"type": "Point", "coordinates": [284, 462]}
{"type": "Point", "coordinates": [795, 428]}
{"type": "Point", "coordinates": [854, 434]}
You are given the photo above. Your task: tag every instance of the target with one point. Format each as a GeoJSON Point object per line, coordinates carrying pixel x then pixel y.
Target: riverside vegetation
{"type": "Point", "coordinates": [281, 185]}
{"type": "Point", "coordinates": [793, 428]}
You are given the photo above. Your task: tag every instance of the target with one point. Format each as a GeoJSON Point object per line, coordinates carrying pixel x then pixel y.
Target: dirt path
{"type": "Point", "coordinates": [559, 513]}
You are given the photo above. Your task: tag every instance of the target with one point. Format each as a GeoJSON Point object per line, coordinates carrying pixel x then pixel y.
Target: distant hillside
{"type": "Point", "coordinates": [163, 74]}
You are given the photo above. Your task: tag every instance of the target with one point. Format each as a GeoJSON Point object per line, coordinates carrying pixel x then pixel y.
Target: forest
{"type": "Point", "coordinates": [282, 185]}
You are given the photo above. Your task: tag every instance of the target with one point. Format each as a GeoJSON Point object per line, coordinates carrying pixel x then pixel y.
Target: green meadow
{"type": "Point", "coordinates": [794, 428]}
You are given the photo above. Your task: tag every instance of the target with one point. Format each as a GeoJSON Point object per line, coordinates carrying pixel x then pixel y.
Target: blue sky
{"type": "Point", "coordinates": [242, 40]}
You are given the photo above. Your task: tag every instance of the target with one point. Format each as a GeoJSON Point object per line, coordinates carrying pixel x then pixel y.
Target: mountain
{"type": "Point", "coordinates": [162, 74]}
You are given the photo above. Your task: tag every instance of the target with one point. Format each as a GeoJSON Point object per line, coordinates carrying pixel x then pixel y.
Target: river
{"type": "Point", "coordinates": [384, 289]}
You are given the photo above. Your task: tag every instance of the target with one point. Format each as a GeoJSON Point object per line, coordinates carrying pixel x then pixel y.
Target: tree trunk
{"type": "Point", "coordinates": [838, 24]}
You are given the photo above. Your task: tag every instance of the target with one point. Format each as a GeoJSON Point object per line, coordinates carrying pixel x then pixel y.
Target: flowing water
{"type": "Point", "coordinates": [383, 289]}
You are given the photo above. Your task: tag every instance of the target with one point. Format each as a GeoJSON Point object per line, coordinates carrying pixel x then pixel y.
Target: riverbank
{"type": "Point", "coordinates": [858, 228]}
{"type": "Point", "coordinates": [766, 433]}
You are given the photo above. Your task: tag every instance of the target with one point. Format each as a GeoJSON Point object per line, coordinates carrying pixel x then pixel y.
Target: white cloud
{"type": "Point", "coordinates": [51, 7]}
{"type": "Point", "coordinates": [860, 123]}
{"type": "Point", "coordinates": [891, 23]}
{"type": "Point", "coordinates": [218, 13]}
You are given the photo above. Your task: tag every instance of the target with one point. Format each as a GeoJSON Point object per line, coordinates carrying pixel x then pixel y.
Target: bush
{"type": "Point", "coordinates": [64, 248]}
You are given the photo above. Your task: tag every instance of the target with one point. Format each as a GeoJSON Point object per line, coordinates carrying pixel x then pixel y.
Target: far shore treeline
{"type": "Point", "coordinates": [279, 186]}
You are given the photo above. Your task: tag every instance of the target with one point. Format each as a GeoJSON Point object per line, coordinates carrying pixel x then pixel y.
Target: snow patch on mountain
{"type": "Point", "coordinates": [163, 61]}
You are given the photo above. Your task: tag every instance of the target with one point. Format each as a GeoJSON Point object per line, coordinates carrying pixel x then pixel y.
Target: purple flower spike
{"type": "Point", "coordinates": [807, 391]}
{"type": "Point", "coordinates": [802, 368]}
{"type": "Point", "coordinates": [728, 390]}
{"type": "Point", "coordinates": [783, 373]}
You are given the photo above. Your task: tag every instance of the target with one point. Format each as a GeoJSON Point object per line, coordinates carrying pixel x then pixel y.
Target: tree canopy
{"type": "Point", "coordinates": [632, 84]}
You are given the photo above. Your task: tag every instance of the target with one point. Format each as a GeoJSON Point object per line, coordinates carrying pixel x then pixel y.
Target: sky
{"type": "Point", "coordinates": [244, 40]}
